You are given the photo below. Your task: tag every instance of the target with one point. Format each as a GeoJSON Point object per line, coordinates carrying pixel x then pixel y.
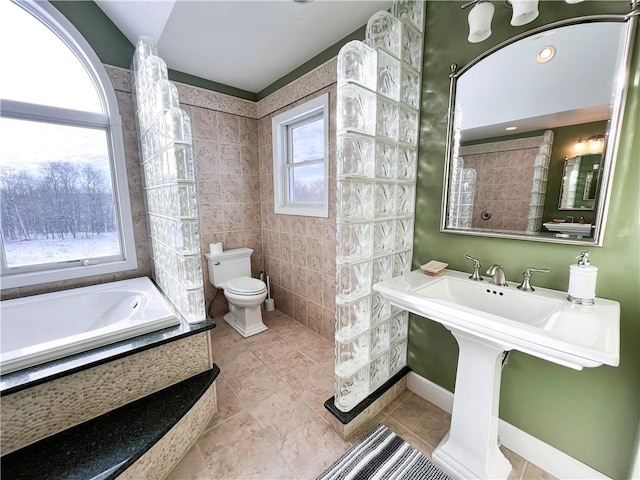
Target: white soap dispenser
{"type": "Point", "coordinates": [582, 280]}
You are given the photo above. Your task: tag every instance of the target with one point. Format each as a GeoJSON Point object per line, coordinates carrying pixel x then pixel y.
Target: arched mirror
{"type": "Point", "coordinates": [533, 130]}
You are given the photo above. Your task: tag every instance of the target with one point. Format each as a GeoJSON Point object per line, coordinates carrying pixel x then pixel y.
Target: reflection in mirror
{"type": "Point", "coordinates": [580, 182]}
{"type": "Point", "coordinates": [514, 119]}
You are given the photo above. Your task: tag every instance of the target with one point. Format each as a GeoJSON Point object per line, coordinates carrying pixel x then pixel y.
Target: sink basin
{"type": "Point", "coordinates": [541, 323]}
{"type": "Point", "coordinates": [488, 320]}
{"type": "Point", "coordinates": [484, 299]}
{"type": "Point", "coordinates": [569, 228]}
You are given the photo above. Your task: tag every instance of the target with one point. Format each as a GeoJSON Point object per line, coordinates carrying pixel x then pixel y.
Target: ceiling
{"type": "Point", "coordinates": [246, 44]}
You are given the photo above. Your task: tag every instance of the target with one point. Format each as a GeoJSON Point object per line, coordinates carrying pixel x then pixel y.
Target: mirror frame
{"type": "Point", "coordinates": [613, 135]}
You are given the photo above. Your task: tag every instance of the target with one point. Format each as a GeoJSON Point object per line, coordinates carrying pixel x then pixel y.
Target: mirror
{"type": "Point", "coordinates": [533, 127]}
{"type": "Point", "coordinates": [580, 182]}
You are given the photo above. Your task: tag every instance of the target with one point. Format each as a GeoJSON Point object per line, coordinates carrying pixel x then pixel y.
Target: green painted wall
{"type": "Point", "coordinates": [593, 414]}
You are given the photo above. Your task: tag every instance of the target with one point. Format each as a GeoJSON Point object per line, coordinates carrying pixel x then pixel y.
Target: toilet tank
{"type": "Point", "coordinates": [229, 264]}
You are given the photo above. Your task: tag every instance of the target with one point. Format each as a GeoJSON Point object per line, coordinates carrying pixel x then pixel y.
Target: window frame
{"type": "Point", "coordinates": [282, 124]}
{"type": "Point", "coordinates": [111, 123]}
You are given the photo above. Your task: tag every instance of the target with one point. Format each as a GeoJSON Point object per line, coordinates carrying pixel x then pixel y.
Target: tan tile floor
{"type": "Point", "coordinates": [271, 422]}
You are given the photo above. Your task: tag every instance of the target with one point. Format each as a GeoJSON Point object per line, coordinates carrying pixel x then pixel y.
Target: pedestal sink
{"type": "Point", "coordinates": [488, 320]}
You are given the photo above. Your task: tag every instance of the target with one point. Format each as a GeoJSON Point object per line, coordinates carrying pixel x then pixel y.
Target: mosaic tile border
{"type": "Point", "coordinates": [317, 79]}
{"type": "Point", "coordinates": [41, 411]}
{"type": "Point", "coordinates": [191, 95]}
{"type": "Point", "coordinates": [503, 145]}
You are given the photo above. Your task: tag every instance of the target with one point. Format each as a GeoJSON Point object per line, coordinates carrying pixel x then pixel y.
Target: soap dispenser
{"type": "Point", "coordinates": [582, 280]}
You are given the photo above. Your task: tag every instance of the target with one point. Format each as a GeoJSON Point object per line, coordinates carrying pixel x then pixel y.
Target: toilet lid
{"type": "Point", "coordinates": [245, 286]}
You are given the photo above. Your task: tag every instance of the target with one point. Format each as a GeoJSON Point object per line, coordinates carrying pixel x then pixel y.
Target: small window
{"type": "Point", "coordinates": [64, 200]}
{"type": "Point", "coordinates": [300, 159]}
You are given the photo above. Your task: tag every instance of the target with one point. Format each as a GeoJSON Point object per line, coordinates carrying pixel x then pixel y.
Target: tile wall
{"type": "Point", "coordinates": [504, 180]}
{"type": "Point", "coordinates": [299, 252]}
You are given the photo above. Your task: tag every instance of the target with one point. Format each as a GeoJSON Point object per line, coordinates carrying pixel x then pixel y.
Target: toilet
{"type": "Point", "coordinates": [231, 271]}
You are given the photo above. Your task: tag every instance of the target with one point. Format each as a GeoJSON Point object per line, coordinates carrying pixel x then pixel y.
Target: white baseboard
{"type": "Point", "coordinates": [549, 458]}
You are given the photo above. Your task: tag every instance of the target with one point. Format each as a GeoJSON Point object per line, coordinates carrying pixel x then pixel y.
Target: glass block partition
{"type": "Point", "coordinates": [378, 104]}
{"type": "Point", "coordinates": [539, 184]}
{"type": "Point", "coordinates": [463, 188]}
{"type": "Point", "coordinates": [165, 142]}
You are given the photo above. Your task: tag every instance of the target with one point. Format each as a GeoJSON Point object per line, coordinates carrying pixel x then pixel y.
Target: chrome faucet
{"type": "Point", "coordinates": [525, 286]}
{"type": "Point", "coordinates": [476, 269]}
{"type": "Point", "coordinates": [496, 272]}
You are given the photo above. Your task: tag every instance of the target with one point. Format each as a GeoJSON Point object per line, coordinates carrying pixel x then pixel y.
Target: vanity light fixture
{"type": "Point", "coordinates": [596, 144]}
{"type": "Point", "coordinates": [479, 20]}
{"type": "Point", "coordinates": [546, 54]}
{"type": "Point", "coordinates": [524, 11]}
{"type": "Point", "coordinates": [480, 16]}
{"type": "Point", "coordinates": [509, 129]}
{"type": "Point", "coordinates": [580, 146]}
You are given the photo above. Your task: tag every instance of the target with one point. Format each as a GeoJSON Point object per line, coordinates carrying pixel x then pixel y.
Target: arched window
{"type": "Point", "coordinates": [64, 200]}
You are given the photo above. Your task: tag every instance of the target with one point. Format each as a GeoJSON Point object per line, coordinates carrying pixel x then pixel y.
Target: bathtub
{"type": "Point", "coordinates": [50, 326]}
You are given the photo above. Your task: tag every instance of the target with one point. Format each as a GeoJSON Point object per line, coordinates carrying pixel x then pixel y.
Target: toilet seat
{"type": "Point", "coordinates": [245, 286]}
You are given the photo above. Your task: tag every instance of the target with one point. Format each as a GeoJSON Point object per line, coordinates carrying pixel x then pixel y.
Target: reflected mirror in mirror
{"type": "Point", "coordinates": [580, 182]}
{"type": "Point", "coordinates": [514, 120]}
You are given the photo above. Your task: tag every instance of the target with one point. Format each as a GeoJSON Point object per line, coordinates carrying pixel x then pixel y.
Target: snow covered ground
{"type": "Point", "coordinates": [30, 252]}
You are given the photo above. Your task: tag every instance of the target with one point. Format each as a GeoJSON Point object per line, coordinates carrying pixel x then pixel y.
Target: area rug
{"type": "Point", "coordinates": [382, 455]}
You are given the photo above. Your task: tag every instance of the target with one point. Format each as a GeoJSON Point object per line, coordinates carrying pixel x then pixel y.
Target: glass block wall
{"type": "Point", "coordinates": [164, 134]}
{"type": "Point", "coordinates": [539, 184]}
{"type": "Point", "coordinates": [378, 104]}
{"type": "Point", "coordinates": [462, 191]}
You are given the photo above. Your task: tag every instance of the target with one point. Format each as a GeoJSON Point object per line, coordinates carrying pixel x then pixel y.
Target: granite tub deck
{"type": "Point", "coordinates": [93, 405]}
{"type": "Point", "coordinates": [121, 442]}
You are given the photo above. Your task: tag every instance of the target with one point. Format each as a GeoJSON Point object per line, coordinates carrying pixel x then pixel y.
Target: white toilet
{"type": "Point", "coordinates": [231, 271]}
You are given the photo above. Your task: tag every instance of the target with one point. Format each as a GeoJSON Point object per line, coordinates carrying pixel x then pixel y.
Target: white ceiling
{"type": "Point", "coordinates": [246, 44]}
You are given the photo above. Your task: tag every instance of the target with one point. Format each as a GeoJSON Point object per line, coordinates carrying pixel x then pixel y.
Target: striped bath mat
{"type": "Point", "coordinates": [381, 454]}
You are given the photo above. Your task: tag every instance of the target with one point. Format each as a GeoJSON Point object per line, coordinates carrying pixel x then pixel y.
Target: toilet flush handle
{"type": "Point", "coordinates": [216, 263]}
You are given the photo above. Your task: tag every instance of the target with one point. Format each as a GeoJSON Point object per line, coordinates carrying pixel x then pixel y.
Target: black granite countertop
{"type": "Point", "coordinates": [32, 376]}
{"type": "Point", "coordinates": [104, 447]}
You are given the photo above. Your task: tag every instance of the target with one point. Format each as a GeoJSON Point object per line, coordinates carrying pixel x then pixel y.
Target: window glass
{"type": "Point", "coordinates": [64, 198]}
{"type": "Point", "coordinates": [56, 194]}
{"type": "Point", "coordinates": [43, 70]}
{"type": "Point", "coordinates": [300, 159]}
{"type": "Point", "coordinates": [307, 184]}
{"type": "Point", "coordinates": [308, 141]}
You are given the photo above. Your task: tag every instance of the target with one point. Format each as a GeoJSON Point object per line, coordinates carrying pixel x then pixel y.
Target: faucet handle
{"type": "Point", "coordinates": [476, 269]}
{"type": "Point", "coordinates": [525, 286]}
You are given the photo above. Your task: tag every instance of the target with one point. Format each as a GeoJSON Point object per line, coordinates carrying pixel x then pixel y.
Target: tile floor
{"type": "Point", "coordinates": [271, 422]}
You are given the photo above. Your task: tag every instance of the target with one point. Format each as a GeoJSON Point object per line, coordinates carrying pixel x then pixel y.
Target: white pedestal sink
{"type": "Point", "coordinates": [487, 321]}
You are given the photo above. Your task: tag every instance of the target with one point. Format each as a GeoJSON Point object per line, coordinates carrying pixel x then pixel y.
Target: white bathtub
{"type": "Point", "coordinates": [47, 327]}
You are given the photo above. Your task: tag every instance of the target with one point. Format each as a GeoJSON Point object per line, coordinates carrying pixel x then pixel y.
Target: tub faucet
{"type": "Point", "coordinates": [496, 272]}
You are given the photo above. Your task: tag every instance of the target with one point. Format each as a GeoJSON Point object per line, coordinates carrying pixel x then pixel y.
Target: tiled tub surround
{"type": "Point", "coordinates": [143, 439]}
{"type": "Point", "coordinates": [34, 413]}
{"type": "Point", "coordinates": [504, 180]}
